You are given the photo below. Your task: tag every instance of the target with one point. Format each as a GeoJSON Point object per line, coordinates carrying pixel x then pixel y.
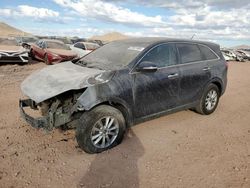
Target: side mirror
{"type": "Point", "coordinates": [147, 66]}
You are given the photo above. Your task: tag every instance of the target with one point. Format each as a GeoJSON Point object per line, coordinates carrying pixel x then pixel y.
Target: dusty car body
{"type": "Point", "coordinates": [83, 48]}
{"type": "Point", "coordinates": [124, 83]}
{"type": "Point", "coordinates": [12, 52]}
{"type": "Point", "coordinates": [51, 51]}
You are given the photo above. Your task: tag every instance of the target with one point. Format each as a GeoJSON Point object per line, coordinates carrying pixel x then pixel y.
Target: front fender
{"type": "Point", "coordinates": [94, 96]}
{"type": "Point", "coordinates": [90, 98]}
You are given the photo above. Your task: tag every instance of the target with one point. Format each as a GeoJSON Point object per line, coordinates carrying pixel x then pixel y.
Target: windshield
{"type": "Point", "coordinates": [113, 55]}
{"type": "Point", "coordinates": [57, 45]}
{"type": "Point", "coordinates": [8, 42]}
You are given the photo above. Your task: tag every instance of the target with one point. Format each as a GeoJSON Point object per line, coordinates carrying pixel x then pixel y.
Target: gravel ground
{"type": "Point", "coordinates": [184, 149]}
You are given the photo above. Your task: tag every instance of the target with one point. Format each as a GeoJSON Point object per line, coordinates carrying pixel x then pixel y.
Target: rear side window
{"type": "Point", "coordinates": [39, 43]}
{"type": "Point", "coordinates": [162, 55]}
{"type": "Point", "coordinates": [207, 53]}
{"type": "Point", "coordinates": [43, 45]}
{"type": "Point", "coordinates": [189, 53]}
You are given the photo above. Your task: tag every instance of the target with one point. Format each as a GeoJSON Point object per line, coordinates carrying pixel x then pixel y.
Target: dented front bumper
{"type": "Point", "coordinates": [40, 122]}
{"type": "Point", "coordinates": [54, 118]}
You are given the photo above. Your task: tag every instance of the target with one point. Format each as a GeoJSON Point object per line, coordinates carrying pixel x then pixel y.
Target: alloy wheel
{"type": "Point", "coordinates": [104, 132]}
{"type": "Point", "coordinates": [211, 100]}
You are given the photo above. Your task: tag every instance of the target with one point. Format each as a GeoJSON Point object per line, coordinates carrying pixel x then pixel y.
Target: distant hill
{"type": "Point", "coordinates": [110, 37]}
{"type": "Point", "coordinates": [241, 47]}
{"type": "Point", "coordinates": [9, 31]}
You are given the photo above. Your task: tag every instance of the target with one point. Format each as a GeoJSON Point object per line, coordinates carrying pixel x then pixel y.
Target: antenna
{"type": "Point", "coordinates": [192, 36]}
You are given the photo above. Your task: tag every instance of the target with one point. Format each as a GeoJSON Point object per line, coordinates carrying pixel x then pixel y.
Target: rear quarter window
{"type": "Point", "coordinates": [207, 53]}
{"type": "Point", "coordinates": [189, 53]}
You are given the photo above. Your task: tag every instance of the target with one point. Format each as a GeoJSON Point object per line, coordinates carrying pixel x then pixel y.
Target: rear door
{"type": "Point", "coordinates": [194, 71]}
{"type": "Point", "coordinates": [157, 91]}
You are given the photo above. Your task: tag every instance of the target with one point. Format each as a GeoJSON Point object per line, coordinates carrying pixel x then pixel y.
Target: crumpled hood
{"type": "Point", "coordinates": [62, 52]}
{"type": "Point", "coordinates": [12, 49]}
{"type": "Point", "coordinates": [56, 79]}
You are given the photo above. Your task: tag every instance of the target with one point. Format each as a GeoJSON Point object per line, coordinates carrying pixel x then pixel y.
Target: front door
{"type": "Point", "coordinates": [157, 91]}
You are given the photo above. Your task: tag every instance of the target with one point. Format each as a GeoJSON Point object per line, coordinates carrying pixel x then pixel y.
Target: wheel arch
{"type": "Point", "coordinates": [116, 103]}
{"type": "Point", "coordinates": [218, 83]}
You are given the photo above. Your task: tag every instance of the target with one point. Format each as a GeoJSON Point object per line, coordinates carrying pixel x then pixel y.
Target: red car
{"type": "Point", "coordinates": [51, 51]}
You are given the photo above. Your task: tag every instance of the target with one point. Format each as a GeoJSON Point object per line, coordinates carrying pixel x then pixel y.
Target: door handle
{"type": "Point", "coordinates": [206, 68]}
{"type": "Point", "coordinates": [173, 75]}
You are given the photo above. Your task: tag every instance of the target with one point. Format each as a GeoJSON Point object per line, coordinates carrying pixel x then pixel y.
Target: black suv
{"type": "Point", "coordinates": [124, 83]}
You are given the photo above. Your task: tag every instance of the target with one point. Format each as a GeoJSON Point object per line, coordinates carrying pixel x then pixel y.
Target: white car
{"type": "Point", "coordinates": [12, 52]}
{"type": "Point", "coordinates": [83, 48]}
{"type": "Point", "coordinates": [229, 55]}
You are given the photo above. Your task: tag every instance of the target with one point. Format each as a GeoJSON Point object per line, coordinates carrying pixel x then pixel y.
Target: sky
{"type": "Point", "coordinates": [226, 22]}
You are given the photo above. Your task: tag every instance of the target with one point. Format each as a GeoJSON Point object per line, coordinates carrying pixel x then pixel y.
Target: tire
{"type": "Point", "coordinates": [46, 59]}
{"type": "Point", "coordinates": [31, 55]}
{"type": "Point", "coordinates": [209, 100]}
{"type": "Point", "coordinates": [89, 127]}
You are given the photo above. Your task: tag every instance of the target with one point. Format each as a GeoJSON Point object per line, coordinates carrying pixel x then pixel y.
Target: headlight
{"type": "Point", "coordinates": [100, 78]}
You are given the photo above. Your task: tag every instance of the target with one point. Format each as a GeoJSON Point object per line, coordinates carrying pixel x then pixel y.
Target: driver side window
{"type": "Point", "coordinates": [162, 56]}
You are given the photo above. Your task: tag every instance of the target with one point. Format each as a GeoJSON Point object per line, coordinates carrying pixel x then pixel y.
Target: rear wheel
{"type": "Point", "coordinates": [209, 100]}
{"type": "Point", "coordinates": [100, 129]}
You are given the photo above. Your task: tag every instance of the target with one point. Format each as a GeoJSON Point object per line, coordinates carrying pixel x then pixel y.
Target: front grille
{"type": "Point", "coordinates": [10, 59]}
{"type": "Point", "coordinates": [13, 59]}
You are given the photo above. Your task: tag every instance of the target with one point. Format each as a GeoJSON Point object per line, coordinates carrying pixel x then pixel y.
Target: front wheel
{"type": "Point", "coordinates": [209, 100]}
{"type": "Point", "coordinates": [100, 129]}
{"type": "Point", "coordinates": [46, 59]}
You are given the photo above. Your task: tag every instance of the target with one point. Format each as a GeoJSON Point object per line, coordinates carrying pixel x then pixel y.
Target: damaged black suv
{"type": "Point", "coordinates": [124, 83]}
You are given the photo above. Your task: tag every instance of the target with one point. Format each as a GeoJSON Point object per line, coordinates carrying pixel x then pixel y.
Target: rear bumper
{"type": "Point", "coordinates": [40, 122]}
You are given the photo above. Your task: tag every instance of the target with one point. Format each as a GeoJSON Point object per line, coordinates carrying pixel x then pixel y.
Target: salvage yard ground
{"type": "Point", "coordinates": [184, 149]}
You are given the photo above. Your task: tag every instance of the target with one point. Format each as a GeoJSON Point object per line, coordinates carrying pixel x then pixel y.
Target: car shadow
{"type": "Point", "coordinates": [117, 167]}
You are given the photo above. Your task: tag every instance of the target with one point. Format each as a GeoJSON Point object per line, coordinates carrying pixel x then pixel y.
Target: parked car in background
{"type": "Point", "coordinates": [99, 42]}
{"type": "Point", "coordinates": [12, 52]}
{"type": "Point", "coordinates": [227, 58]}
{"type": "Point", "coordinates": [51, 51]}
{"type": "Point", "coordinates": [246, 52]}
{"type": "Point", "coordinates": [75, 40]}
{"type": "Point", "coordinates": [27, 39]}
{"type": "Point", "coordinates": [83, 48]}
{"type": "Point", "coordinates": [243, 54]}
{"type": "Point", "coordinates": [229, 55]}
{"type": "Point", "coordinates": [124, 83]}
{"type": "Point", "coordinates": [65, 40]}
{"type": "Point", "coordinates": [240, 56]}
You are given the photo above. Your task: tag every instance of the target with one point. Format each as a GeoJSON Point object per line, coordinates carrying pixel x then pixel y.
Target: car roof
{"type": "Point", "coordinates": [155, 40]}
{"type": "Point", "coordinates": [92, 43]}
{"type": "Point", "coordinates": [52, 40]}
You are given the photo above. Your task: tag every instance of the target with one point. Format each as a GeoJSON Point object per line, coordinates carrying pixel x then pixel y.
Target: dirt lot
{"type": "Point", "coordinates": [184, 149]}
